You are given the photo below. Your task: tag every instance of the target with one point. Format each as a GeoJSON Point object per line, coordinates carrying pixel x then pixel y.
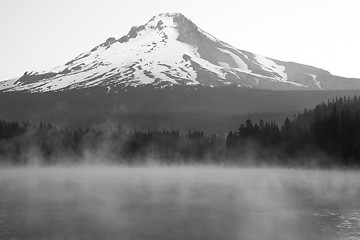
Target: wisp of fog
{"type": "Point", "coordinates": [179, 202]}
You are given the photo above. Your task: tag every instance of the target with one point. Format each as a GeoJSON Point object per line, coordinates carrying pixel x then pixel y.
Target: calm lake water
{"type": "Point", "coordinates": [158, 203]}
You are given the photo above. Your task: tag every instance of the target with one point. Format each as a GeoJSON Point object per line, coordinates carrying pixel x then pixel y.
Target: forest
{"type": "Point", "coordinates": [22, 143]}
{"type": "Point", "coordinates": [326, 136]}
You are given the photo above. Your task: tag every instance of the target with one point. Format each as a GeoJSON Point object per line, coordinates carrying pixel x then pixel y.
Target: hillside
{"type": "Point", "coordinates": [208, 109]}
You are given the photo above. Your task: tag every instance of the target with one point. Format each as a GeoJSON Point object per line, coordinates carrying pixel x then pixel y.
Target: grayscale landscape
{"type": "Point", "coordinates": [179, 120]}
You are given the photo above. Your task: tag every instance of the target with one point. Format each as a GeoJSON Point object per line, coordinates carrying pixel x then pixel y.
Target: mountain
{"type": "Point", "coordinates": [168, 74]}
{"type": "Point", "coordinates": [170, 50]}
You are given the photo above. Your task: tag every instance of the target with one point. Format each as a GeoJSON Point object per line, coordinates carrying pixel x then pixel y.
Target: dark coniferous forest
{"type": "Point", "coordinates": [326, 136]}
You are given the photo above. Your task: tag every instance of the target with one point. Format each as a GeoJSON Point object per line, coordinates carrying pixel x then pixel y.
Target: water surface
{"type": "Point", "coordinates": [157, 203]}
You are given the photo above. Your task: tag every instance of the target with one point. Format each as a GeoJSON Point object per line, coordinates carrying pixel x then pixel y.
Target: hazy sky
{"type": "Point", "coordinates": [42, 34]}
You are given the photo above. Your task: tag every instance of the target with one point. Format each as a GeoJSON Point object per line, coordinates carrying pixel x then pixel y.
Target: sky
{"type": "Point", "coordinates": [36, 35]}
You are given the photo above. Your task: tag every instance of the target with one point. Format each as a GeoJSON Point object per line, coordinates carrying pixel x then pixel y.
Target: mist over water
{"type": "Point", "coordinates": [180, 202]}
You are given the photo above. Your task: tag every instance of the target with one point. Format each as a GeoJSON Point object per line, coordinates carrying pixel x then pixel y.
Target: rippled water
{"type": "Point", "coordinates": [178, 203]}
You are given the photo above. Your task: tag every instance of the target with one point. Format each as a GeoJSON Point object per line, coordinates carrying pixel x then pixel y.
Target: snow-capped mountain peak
{"type": "Point", "coordinates": [165, 20]}
{"type": "Point", "coordinates": [166, 51]}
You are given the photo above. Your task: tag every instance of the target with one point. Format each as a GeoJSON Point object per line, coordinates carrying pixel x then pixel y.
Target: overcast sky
{"type": "Point", "coordinates": [42, 34]}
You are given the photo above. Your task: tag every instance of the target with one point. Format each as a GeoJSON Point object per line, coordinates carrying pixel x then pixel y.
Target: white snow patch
{"type": "Point", "coordinates": [6, 84]}
{"type": "Point", "coordinates": [269, 65]}
{"type": "Point", "coordinates": [242, 66]}
{"type": "Point", "coordinates": [314, 77]}
{"type": "Point", "coordinates": [224, 64]}
{"type": "Point", "coordinates": [166, 18]}
{"type": "Point", "coordinates": [275, 80]}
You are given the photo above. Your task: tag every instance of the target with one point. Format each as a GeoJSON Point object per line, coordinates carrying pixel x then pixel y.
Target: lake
{"type": "Point", "coordinates": [182, 202]}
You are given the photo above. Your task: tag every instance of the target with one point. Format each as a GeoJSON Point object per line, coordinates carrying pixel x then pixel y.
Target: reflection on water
{"type": "Point", "coordinates": [178, 203]}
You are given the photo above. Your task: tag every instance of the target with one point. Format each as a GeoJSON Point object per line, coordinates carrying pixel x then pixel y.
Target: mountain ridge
{"type": "Point", "coordinates": [171, 50]}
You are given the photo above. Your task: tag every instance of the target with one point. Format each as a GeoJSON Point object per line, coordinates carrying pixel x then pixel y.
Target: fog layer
{"type": "Point", "coordinates": [103, 202]}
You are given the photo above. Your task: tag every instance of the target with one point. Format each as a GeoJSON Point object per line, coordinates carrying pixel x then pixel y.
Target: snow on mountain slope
{"type": "Point", "coordinates": [8, 83]}
{"type": "Point", "coordinates": [169, 50]}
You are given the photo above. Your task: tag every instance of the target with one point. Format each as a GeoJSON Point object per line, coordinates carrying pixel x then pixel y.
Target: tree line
{"type": "Point", "coordinates": [328, 135]}
{"type": "Point", "coordinates": [25, 142]}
